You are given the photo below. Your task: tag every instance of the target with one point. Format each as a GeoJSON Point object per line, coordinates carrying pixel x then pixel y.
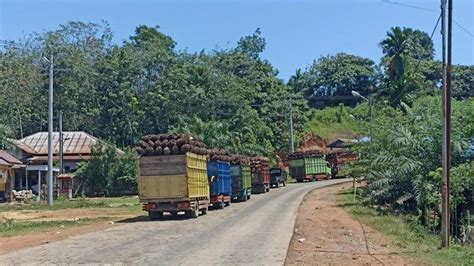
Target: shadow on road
{"type": "Point", "coordinates": [145, 218]}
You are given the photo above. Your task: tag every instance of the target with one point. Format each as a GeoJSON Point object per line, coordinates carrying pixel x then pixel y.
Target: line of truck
{"type": "Point", "coordinates": [178, 173]}
{"type": "Point", "coordinates": [192, 183]}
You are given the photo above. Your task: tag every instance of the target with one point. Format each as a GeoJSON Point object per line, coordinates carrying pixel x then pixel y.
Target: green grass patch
{"type": "Point", "coordinates": [127, 203]}
{"type": "Point", "coordinates": [332, 130]}
{"type": "Point", "coordinates": [12, 227]}
{"type": "Point", "coordinates": [408, 236]}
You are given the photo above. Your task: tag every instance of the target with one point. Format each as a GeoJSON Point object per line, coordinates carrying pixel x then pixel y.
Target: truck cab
{"type": "Point", "coordinates": [278, 177]}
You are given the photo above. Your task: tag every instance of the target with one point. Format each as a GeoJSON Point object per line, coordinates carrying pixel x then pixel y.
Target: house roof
{"type": "Point", "coordinates": [341, 143]}
{"type": "Point", "coordinates": [8, 160]}
{"type": "Point", "coordinates": [75, 142]}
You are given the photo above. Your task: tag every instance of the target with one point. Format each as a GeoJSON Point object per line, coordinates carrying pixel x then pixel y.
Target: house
{"type": "Point", "coordinates": [9, 166]}
{"type": "Point", "coordinates": [32, 151]}
{"type": "Point", "coordinates": [77, 146]}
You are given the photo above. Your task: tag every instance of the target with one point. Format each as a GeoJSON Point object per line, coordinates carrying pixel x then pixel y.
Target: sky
{"type": "Point", "coordinates": [297, 32]}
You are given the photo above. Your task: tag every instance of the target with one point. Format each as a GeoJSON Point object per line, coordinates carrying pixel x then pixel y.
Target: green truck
{"type": "Point", "coordinates": [241, 182]}
{"type": "Point", "coordinates": [309, 168]}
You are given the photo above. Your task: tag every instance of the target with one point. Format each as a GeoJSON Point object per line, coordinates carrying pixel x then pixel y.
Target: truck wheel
{"type": "Point", "coordinates": [277, 185]}
{"type": "Point", "coordinates": [194, 213]}
{"type": "Point", "coordinates": [284, 183]}
{"type": "Point", "coordinates": [248, 197]}
{"type": "Point", "coordinates": [222, 205]}
{"type": "Point", "coordinates": [245, 198]}
{"type": "Point", "coordinates": [204, 211]}
{"type": "Point", "coordinates": [227, 204]}
{"type": "Point", "coordinates": [267, 189]}
{"type": "Point", "coordinates": [155, 215]}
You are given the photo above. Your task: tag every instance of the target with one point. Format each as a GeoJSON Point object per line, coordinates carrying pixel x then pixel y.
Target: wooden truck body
{"type": "Point", "coordinates": [173, 183]}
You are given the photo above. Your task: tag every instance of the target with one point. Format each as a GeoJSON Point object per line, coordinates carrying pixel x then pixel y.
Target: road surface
{"type": "Point", "coordinates": [257, 232]}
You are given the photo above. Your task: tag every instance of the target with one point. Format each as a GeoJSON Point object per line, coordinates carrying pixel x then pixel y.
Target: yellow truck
{"type": "Point", "coordinates": [173, 183]}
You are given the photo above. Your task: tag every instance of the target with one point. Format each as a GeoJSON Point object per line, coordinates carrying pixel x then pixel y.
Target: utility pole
{"type": "Point", "coordinates": [50, 133]}
{"type": "Point", "coordinates": [61, 143]}
{"type": "Point", "coordinates": [292, 140]}
{"type": "Point", "coordinates": [446, 152]}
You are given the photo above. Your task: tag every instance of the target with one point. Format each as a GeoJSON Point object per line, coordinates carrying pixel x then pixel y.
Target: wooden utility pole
{"type": "Point", "coordinates": [292, 137]}
{"type": "Point", "coordinates": [446, 153]}
{"type": "Point", "coordinates": [50, 132]}
{"type": "Point", "coordinates": [61, 143]}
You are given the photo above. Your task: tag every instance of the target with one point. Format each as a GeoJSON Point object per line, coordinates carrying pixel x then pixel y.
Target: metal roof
{"type": "Point", "coordinates": [7, 159]}
{"type": "Point", "coordinates": [75, 142]}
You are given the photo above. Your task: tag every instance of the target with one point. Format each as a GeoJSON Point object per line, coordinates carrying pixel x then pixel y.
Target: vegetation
{"type": "Point", "coordinates": [121, 92]}
{"type": "Point", "coordinates": [12, 227]}
{"type": "Point", "coordinates": [108, 172]}
{"type": "Point", "coordinates": [406, 234]}
{"type": "Point", "coordinates": [233, 99]}
{"type": "Point", "coordinates": [127, 202]}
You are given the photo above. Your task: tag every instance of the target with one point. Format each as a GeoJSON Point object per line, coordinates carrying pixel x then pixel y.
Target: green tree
{"type": "Point", "coordinates": [336, 75]}
{"type": "Point", "coordinates": [109, 172]}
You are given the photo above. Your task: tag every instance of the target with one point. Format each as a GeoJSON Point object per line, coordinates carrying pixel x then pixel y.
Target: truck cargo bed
{"type": "Point", "coordinates": [173, 177]}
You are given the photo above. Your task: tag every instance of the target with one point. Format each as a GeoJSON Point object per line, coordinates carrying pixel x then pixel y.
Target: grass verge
{"type": "Point", "coordinates": [409, 237]}
{"type": "Point", "coordinates": [129, 203]}
{"type": "Point", "coordinates": [12, 227]}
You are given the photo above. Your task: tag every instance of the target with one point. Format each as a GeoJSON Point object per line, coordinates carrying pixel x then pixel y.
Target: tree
{"type": "Point", "coordinates": [252, 45]}
{"type": "Point", "coordinates": [335, 75]}
{"type": "Point", "coordinates": [400, 162]}
{"type": "Point", "coordinates": [109, 172]}
{"type": "Point", "coordinates": [404, 50]}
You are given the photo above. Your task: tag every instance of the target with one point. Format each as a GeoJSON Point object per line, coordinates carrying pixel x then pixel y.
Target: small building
{"type": "Point", "coordinates": [341, 144]}
{"type": "Point", "coordinates": [32, 152]}
{"type": "Point", "coordinates": [9, 166]}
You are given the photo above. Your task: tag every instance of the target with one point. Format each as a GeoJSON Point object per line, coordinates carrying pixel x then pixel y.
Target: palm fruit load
{"type": "Point", "coordinates": [170, 144]}
{"type": "Point", "coordinates": [216, 154]}
{"type": "Point", "coordinates": [239, 159]}
{"type": "Point", "coordinates": [259, 164]}
{"type": "Point", "coordinates": [305, 154]}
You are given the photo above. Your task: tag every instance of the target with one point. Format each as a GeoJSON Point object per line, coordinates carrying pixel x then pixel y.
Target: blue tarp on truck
{"type": "Point", "coordinates": [220, 182]}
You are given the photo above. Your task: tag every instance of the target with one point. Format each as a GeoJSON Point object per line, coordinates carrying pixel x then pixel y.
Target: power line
{"type": "Point", "coordinates": [464, 29]}
{"type": "Point", "coordinates": [406, 5]}
{"type": "Point", "coordinates": [436, 26]}
{"type": "Point", "coordinates": [430, 10]}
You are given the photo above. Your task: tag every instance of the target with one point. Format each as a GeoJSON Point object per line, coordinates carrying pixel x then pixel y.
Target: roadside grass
{"type": "Point", "coordinates": [409, 237]}
{"type": "Point", "coordinates": [128, 203]}
{"type": "Point", "coordinates": [12, 227]}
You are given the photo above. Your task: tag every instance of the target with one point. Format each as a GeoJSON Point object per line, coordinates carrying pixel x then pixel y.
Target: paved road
{"type": "Point", "coordinates": [257, 232]}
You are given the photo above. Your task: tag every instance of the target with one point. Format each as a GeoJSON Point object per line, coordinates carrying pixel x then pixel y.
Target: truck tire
{"type": "Point", "coordinates": [221, 205]}
{"type": "Point", "coordinates": [284, 183]}
{"type": "Point", "coordinates": [267, 189]}
{"type": "Point", "coordinates": [154, 216]}
{"type": "Point", "coordinates": [277, 185]}
{"type": "Point", "coordinates": [194, 213]}
{"type": "Point", "coordinates": [227, 204]}
{"type": "Point", "coordinates": [204, 211]}
{"type": "Point", "coordinates": [248, 197]}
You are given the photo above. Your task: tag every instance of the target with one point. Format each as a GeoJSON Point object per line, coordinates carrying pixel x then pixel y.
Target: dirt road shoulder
{"type": "Point", "coordinates": [325, 234]}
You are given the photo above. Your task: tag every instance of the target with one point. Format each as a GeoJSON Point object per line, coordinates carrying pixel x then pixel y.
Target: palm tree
{"type": "Point", "coordinates": [395, 48]}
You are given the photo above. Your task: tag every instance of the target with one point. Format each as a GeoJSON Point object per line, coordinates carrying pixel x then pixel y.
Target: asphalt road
{"type": "Point", "coordinates": [257, 232]}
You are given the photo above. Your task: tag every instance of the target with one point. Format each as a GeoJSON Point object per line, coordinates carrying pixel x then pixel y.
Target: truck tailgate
{"type": "Point", "coordinates": [162, 187]}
